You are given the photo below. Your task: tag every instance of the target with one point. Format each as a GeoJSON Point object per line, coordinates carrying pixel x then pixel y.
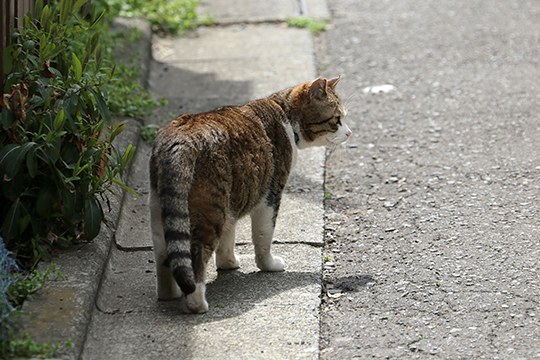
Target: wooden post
{"type": "Point", "coordinates": [12, 13]}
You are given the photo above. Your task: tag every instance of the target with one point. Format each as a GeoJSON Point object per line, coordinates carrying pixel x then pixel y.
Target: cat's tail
{"type": "Point", "coordinates": [171, 175]}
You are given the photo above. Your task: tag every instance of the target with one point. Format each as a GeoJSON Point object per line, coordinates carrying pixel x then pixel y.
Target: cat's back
{"type": "Point", "coordinates": [213, 128]}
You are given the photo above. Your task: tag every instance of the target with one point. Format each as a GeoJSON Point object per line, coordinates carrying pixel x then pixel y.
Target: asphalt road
{"type": "Point", "coordinates": [432, 228]}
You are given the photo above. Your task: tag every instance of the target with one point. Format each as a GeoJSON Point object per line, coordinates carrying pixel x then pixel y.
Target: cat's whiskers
{"type": "Point", "coordinates": [350, 96]}
{"type": "Point", "coordinates": [330, 150]}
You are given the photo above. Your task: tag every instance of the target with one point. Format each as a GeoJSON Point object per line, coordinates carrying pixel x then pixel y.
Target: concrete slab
{"type": "Point", "coordinates": [253, 315]}
{"type": "Point", "coordinates": [231, 63]}
{"type": "Point", "coordinates": [240, 11]}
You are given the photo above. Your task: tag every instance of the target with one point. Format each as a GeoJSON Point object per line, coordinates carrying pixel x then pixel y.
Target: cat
{"type": "Point", "coordinates": [208, 170]}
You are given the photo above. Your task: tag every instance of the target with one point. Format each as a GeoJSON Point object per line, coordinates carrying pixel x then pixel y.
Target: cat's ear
{"type": "Point", "coordinates": [333, 82]}
{"type": "Point", "coordinates": [317, 89]}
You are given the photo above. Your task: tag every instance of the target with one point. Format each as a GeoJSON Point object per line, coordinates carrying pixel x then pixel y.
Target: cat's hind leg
{"type": "Point", "coordinates": [206, 234]}
{"type": "Point", "coordinates": [167, 288]}
{"type": "Point", "coordinates": [195, 302]}
{"type": "Point", "coordinates": [263, 219]}
{"type": "Point", "coordinates": [225, 258]}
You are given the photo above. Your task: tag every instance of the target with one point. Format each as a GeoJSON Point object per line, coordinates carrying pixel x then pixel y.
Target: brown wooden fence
{"type": "Point", "coordinates": [11, 15]}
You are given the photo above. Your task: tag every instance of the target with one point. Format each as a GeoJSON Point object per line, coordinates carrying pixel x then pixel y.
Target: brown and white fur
{"type": "Point", "coordinates": [208, 170]}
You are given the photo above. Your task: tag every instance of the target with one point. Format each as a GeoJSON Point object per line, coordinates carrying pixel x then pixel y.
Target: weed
{"type": "Point", "coordinates": [328, 195]}
{"type": "Point", "coordinates": [149, 132]}
{"type": "Point", "coordinates": [25, 347]}
{"type": "Point", "coordinates": [15, 287]}
{"type": "Point", "coordinates": [205, 20]}
{"type": "Point", "coordinates": [27, 284]}
{"type": "Point", "coordinates": [313, 25]}
{"type": "Point", "coordinates": [165, 16]}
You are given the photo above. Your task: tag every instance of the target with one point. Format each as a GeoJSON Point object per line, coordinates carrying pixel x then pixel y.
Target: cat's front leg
{"type": "Point", "coordinates": [262, 231]}
{"type": "Point", "coordinates": [225, 258]}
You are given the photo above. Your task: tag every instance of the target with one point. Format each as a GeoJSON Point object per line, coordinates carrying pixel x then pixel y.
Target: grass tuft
{"type": "Point", "coordinates": [313, 25]}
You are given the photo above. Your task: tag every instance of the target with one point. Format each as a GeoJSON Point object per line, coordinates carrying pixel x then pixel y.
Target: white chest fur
{"type": "Point", "coordinates": [290, 135]}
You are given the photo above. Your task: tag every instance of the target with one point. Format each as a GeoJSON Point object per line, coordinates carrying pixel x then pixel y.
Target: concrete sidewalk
{"type": "Point", "coordinates": [252, 314]}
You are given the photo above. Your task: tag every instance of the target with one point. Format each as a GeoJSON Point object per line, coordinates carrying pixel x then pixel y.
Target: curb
{"type": "Point", "coordinates": [62, 311]}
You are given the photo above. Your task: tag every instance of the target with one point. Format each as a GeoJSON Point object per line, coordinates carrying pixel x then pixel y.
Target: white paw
{"type": "Point", "coordinates": [195, 303]}
{"type": "Point", "coordinates": [227, 264]}
{"type": "Point", "coordinates": [270, 263]}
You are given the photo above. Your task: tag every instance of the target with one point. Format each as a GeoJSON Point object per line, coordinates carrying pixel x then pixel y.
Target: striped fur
{"type": "Point", "coordinates": [207, 170]}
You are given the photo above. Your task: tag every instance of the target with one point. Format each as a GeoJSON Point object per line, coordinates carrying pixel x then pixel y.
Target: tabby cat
{"type": "Point", "coordinates": [208, 170]}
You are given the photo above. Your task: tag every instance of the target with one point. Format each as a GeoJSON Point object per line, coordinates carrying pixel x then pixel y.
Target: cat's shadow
{"type": "Point", "coordinates": [233, 293]}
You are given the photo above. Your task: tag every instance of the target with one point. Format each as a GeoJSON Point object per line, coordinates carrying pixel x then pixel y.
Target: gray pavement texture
{"type": "Point", "coordinates": [432, 229]}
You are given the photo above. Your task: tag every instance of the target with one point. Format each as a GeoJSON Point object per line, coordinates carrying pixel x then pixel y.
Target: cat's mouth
{"type": "Point", "coordinates": [339, 137]}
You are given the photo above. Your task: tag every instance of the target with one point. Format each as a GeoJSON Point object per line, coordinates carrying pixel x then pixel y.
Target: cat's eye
{"type": "Point", "coordinates": [338, 120]}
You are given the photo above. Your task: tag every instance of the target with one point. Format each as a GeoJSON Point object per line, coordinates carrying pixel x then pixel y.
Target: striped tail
{"type": "Point", "coordinates": [174, 177]}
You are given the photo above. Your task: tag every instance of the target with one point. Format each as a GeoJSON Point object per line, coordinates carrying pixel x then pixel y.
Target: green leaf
{"type": "Point", "coordinates": [6, 153]}
{"type": "Point", "coordinates": [128, 155]}
{"type": "Point", "coordinates": [65, 10]}
{"type": "Point", "coordinates": [116, 130]}
{"type": "Point", "coordinates": [93, 215]}
{"type": "Point", "coordinates": [102, 106]}
{"type": "Point", "coordinates": [78, 5]}
{"type": "Point", "coordinates": [98, 19]}
{"type": "Point", "coordinates": [45, 15]}
{"type": "Point", "coordinates": [125, 187]}
{"type": "Point", "coordinates": [12, 156]}
{"type": "Point", "coordinates": [76, 67]}
{"type": "Point", "coordinates": [59, 119]}
{"type": "Point", "coordinates": [72, 206]}
{"type": "Point", "coordinates": [38, 7]}
{"type": "Point", "coordinates": [10, 227]}
{"type": "Point", "coordinates": [31, 163]}
{"type": "Point", "coordinates": [6, 118]}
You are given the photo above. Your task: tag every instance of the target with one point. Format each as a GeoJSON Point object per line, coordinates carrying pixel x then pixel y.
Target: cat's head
{"type": "Point", "coordinates": [319, 114]}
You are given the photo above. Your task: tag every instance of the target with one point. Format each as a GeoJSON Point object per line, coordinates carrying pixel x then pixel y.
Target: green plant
{"type": "Point", "coordinates": [125, 95]}
{"type": "Point", "coordinates": [313, 25]}
{"type": "Point", "coordinates": [25, 347]}
{"type": "Point", "coordinates": [56, 154]}
{"type": "Point", "coordinates": [328, 258]}
{"type": "Point", "coordinates": [149, 132]}
{"type": "Point", "coordinates": [23, 285]}
{"type": "Point", "coordinates": [27, 284]}
{"type": "Point", "coordinates": [328, 195]}
{"type": "Point", "coordinates": [16, 286]}
{"type": "Point", "coordinates": [166, 16]}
